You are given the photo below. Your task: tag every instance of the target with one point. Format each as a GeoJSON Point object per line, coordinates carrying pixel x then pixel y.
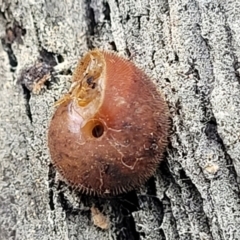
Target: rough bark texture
{"type": "Point", "coordinates": [192, 50]}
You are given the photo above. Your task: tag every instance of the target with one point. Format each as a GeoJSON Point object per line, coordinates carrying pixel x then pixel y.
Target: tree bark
{"type": "Point", "coordinates": [191, 49]}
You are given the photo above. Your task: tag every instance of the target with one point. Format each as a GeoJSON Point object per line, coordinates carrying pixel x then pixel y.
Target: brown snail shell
{"type": "Point", "coordinates": [109, 132]}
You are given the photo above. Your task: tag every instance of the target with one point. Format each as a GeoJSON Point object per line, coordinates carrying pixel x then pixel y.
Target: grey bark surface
{"type": "Point", "coordinates": [191, 49]}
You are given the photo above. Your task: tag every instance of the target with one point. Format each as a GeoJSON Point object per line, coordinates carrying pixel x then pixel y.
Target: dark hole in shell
{"type": "Point", "coordinates": [98, 130]}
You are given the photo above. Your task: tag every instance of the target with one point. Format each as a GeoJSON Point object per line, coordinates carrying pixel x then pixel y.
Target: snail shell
{"type": "Point", "coordinates": [109, 132]}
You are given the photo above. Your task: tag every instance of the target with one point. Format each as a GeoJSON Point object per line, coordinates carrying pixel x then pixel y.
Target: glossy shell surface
{"type": "Point", "coordinates": [109, 132]}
